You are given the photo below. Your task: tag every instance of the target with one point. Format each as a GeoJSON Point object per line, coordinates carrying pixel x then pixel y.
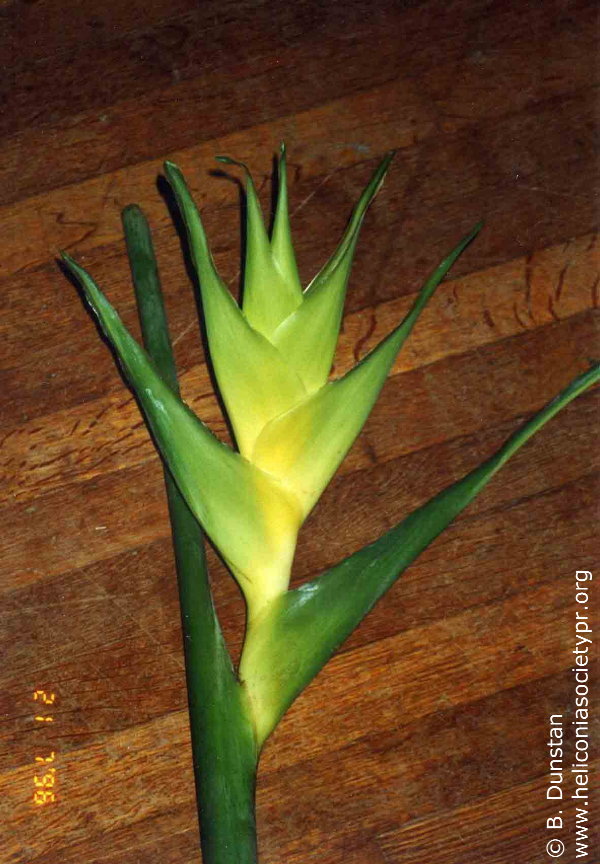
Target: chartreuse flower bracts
{"type": "Point", "coordinates": [272, 357]}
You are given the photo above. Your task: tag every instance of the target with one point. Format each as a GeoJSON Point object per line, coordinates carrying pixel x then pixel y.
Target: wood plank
{"type": "Point", "coordinates": [88, 215]}
{"type": "Point", "coordinates": [477, 836]}
{"type": "Point", "coordinates": [185, 67]}
{"type": "Point", "coordinates": [53, 29]}
{"type": "Point", "coordinates": [384, 788]}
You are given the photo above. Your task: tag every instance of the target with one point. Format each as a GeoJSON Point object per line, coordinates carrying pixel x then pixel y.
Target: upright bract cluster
{"type": "Point", "coordinates": [272, 358]}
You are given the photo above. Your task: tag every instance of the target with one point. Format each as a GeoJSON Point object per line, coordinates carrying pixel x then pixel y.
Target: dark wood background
{"type": "Point", "coordinates": [424, 740]}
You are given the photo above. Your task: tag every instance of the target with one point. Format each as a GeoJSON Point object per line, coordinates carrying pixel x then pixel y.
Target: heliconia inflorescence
{"type": "Point", "coordinates": [272, 357]}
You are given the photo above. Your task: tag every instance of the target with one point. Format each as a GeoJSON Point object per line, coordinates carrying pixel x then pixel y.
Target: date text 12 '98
{"type": "Point", "coordinates": [44, 783]}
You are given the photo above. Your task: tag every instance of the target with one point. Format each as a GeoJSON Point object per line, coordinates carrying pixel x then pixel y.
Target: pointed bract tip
{"type": "Point", "coordinates": [382, 169]}
{"type": "Point", "coordinates": [227, 160]}
{"type": "Point", "coordinates": [592, 373]}
{"type": "Point", "coordinates": [172, 171]}
{"type": "Point", "coordinates": [471, 235]}
{"type": "Point", "coordinates": [386, 161]}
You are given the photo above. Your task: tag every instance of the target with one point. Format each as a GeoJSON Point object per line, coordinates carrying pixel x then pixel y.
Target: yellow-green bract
{"type": "Point", "coordinates": [272, 358]}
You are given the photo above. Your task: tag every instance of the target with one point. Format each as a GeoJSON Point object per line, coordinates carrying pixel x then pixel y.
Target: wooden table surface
{"type": "Point", "coordinates": [425, 739]}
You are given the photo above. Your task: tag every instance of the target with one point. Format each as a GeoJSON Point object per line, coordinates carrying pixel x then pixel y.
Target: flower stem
{"type": "Point", "coordinates": [223, 741]}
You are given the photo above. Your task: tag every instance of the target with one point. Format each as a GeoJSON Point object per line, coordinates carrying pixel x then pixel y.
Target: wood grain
{"type": "Point", "coordinates": [425, 738]}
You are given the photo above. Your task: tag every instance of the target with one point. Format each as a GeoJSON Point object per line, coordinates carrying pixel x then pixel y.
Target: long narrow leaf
{"type": "Point", "coordinates": [203, 640]}
{"type": "Point", "coordinates": [148, 294]}
{"type": "Point", "coordinates": [293, 641]}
